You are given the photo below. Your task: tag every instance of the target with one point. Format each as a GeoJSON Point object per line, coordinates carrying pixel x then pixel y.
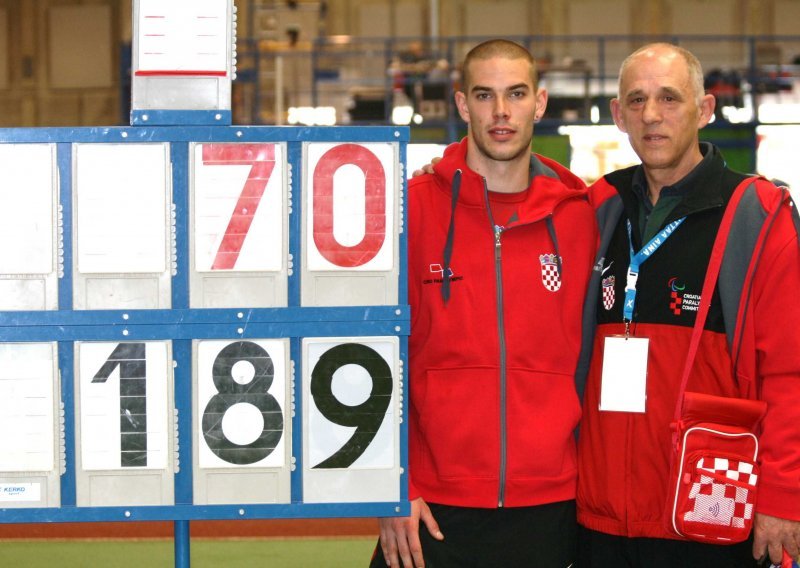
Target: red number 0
{"type": "Point", "coordinates": [375, 205]}
{"type": "Point", "coordinates": [261, 159]}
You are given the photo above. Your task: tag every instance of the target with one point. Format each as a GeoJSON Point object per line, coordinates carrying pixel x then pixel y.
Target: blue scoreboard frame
{"type": "Point", "coordinates": [305, 310]}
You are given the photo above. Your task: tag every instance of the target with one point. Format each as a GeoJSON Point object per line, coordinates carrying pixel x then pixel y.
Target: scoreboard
{"type": "Point", "coordinates": [202, 322]}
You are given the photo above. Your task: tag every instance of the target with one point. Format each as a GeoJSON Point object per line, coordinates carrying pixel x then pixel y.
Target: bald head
{"type": "Point", "coordinates": [495, 48]}
{"type": "Point", "coordinates": [666, 51]}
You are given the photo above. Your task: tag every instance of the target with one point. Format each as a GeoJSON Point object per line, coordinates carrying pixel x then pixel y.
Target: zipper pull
{"type": "Point", "coordinates": [497, 231]}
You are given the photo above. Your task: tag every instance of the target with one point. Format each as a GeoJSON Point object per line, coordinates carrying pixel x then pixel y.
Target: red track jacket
{"type": "Point", "coordinates": [493, 404]}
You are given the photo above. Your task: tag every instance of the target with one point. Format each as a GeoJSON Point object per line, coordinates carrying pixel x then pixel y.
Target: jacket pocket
{"type": "Point", "coordinates": [542, 414]}
{"type": "Point", "coordinates": [463, 424]}
{"type": "Point", "coordinates": [459, 426]}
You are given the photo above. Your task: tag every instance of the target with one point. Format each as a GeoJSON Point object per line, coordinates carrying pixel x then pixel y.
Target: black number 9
{"type": "Point", "coordinates": [230, 392]}
{"type": "Point", "coordinates": [365, 417]}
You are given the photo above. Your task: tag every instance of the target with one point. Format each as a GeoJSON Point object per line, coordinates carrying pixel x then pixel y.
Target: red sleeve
{"type": "Point", "coordinates": [775, 327]}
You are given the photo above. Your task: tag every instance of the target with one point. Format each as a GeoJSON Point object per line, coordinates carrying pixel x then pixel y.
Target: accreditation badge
{"type": "Point", "coordinates": [624, 378]}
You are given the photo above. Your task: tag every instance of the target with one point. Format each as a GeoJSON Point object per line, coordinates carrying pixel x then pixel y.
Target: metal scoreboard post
{"type": "Point", "coordinates": [161, 356]}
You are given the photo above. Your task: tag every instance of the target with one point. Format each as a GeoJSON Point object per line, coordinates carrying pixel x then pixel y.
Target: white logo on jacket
{"type": "Point", "coordinates": [551, 277]}
{"type": "Point", "coordinates": [438, 269]}
{"type": "Point", "coordinates": [435, 274]}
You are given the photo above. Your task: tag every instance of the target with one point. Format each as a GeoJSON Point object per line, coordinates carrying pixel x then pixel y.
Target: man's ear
{"type": "Point", "coordinates": [541, 104]}
{"type": "Point", "coordinates": [616, 113]}
{"type": "Point", "coordinates": [707, 105]}
{"type": "Point", "coordinates": [461, 105]}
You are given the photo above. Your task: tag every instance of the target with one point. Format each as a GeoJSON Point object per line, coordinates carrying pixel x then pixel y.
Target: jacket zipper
{"type": "Point", "coordinates": [501, 332]}
{"type": "Point", "coordinates": [498, 271]}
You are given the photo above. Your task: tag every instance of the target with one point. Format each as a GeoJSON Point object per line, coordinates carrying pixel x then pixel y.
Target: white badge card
{"type": "Point", "coordinates": [624, 380]}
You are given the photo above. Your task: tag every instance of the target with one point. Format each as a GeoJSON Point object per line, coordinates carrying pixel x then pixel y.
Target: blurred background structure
{"type": "Point", "coordinates": [67, 63]}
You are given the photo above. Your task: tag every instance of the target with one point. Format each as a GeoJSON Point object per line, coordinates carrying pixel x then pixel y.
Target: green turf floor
{"type": "Point", "coordinates": [293, 553]}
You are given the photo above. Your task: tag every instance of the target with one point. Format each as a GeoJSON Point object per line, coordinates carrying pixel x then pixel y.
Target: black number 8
{"type": "Point", "coordinates": [365, 417]}
{"type": "Point", "coordinates": [230, 392]}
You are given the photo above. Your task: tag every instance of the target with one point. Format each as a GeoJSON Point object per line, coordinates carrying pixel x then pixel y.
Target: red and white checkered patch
{"type": "Point", "coordinates": [608, 292]}
{"type": "Point", "coordinates": [732, 469]}
{"type": "Point", "coordinates": [717, 502]}
{"type": "Point", "coordinates": [675, 303]}
{"type": "Point", "coordinates": [550, 276]}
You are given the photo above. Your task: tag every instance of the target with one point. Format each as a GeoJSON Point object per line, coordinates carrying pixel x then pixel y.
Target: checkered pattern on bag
{"type": "Point", "coordinates": [718, 503]}
{"type": "Point", "coordinates": [732, 469]}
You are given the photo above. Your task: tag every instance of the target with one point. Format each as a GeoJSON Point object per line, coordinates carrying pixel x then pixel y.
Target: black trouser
{"type": "Point", "coordinates": [600, 550]}
{"type": "Point", "coordinates": [511, 537]}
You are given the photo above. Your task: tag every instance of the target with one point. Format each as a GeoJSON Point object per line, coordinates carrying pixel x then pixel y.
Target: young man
{"type": "Point", "coordinates": [501, 244]}
{"type": "Point", "coordinates": [625, 456]}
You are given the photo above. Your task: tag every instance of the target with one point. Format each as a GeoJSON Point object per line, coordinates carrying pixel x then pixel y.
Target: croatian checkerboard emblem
{"type": "Point", "coordinates": [724, 494]}
{"type": "Point", "coordinates": [608, 292]}
{"type": "Point", "coordinates": [551, 276]}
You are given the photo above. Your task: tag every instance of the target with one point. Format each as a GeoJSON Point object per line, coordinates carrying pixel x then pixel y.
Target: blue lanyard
{"type": "Point", "coordinates": [637, 259]}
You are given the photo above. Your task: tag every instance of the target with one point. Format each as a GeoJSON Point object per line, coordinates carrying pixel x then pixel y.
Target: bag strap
{"type": "Point", "coordinates": [710, 282]}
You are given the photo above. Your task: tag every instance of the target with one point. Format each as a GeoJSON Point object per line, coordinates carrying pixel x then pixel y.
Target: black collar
{"type": "Point", "coordinates": [683, 186]}
{"type": "Point", "coordinates": [701, 187]}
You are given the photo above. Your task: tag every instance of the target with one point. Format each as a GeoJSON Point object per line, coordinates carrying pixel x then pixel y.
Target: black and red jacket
{"type": "Point", "coordinates": [750, 347]}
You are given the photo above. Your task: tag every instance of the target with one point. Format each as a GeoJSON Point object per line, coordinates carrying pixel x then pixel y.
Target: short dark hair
{"type": "Point", "coordinates": [497, 48]}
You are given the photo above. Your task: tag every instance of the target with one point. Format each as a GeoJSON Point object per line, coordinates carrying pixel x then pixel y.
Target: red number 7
{"type": "Point", "coordinates": [261, 159]}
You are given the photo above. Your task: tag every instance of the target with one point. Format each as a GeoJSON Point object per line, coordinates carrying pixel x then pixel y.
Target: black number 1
{"type": "Point", "coordinates": [130, 358]}
{"type": "Point", "coordinates": [365, 417]}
